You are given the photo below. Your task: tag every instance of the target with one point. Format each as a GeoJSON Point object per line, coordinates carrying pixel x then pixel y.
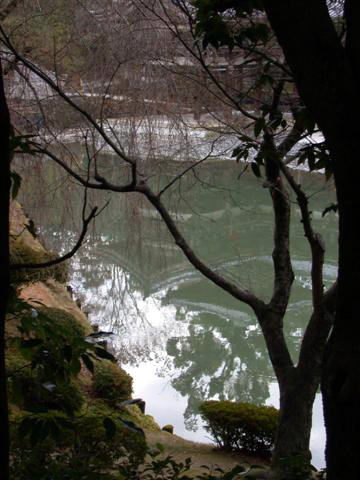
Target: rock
{"type": "Point", "coordinates": [141, 405]}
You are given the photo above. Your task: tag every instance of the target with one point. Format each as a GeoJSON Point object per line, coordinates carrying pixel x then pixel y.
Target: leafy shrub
{"type": "Point", "coordinates": [80, 449]}
{"type": "Point", "coordinates": [168, 428]}
{"type": "Point", "coordinates": [31, 371]}
{"type": "Point", "coordinates": [29, 390]}
{"type": "Point", "coordinates": [111, 383]}
{"type": "Point", "coordinates": [241, 426]}
{"type": "Point", "coordinates": [46, 359]}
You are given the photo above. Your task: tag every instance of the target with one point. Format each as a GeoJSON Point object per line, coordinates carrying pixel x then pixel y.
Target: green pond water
{"type": "Point", "coordinates": [182, 338]}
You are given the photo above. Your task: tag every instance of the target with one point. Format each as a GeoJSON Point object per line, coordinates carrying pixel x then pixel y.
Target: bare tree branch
{"type": "Point", "coordinates": [184, 172]}
{"type": "Point", "coordinates": [318, 329]}
{"type": "Point", "coordinates": [56, 261]}
{"type": "Point", "coordinates": [102, 184]}
{"type": "Point", "coordinates": [315, 241]}
{"type": "Point", "coordinates": [240, 294]}
{"type": "Point", "coordinates": [7, 9]}
{"type": "Point", "coordinates": [55, 86]}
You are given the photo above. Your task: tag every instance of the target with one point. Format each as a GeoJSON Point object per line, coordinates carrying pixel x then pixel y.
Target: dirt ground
{"type": "Point", "coordinates": [200, 453]}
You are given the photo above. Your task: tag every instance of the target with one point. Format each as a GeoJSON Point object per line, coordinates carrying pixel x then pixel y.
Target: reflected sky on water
{"type": "Point", "coordinates": [181, 337]}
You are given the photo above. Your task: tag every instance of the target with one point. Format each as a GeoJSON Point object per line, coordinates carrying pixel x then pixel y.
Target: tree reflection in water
{"type": "Point", "coordinates": [135, 282]}
{"type": "Point", "coordinates": [219, 359]}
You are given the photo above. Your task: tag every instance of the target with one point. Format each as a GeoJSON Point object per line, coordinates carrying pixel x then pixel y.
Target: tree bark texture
{"type": "Point", "coordinates": [326, 76]}
{"type": "Point", "coordinates": [291, 455]}
{"type": "Point", "coordinates": [4, 273]}
{"type": "Point", "coordinates": [298, 386]}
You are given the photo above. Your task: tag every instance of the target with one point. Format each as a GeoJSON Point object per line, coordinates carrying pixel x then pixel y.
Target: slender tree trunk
{"type": "Point", "coordinates": [4, 273]}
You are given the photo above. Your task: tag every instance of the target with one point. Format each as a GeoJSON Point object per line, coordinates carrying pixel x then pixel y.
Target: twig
{"type": "Point", "coordinates": [50, 263]}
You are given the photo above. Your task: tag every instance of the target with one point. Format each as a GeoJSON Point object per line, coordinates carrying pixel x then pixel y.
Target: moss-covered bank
{"type": "Point", "coordinates": [80, 413]}
{"type": "Point", "coordinates": [89, 398]}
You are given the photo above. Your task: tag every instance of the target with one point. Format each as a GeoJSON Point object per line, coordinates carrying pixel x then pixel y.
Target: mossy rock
{"type": "Point", "coordinates": [71, 325]}
{"type": "Point", "coordinates": [111, 383]}
{"type": "Point", "coordinates": [21, 252]}
{"type": "Point", "coordinates": [142, 420]}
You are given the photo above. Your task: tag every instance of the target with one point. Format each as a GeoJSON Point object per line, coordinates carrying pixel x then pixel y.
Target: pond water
{"type": "Point", "coordinates": [181, 338]}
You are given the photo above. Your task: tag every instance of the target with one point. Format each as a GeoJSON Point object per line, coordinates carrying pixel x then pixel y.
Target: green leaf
{"type": "Point", "coordinates": [236, 152]}
{"type": "Point", "coordinates": [234, 472]}
{"type": "Point", "coordinates": [256, 169]}
{"type": "Point", "coordinates": [75, 366]}
{"type": "Point", "coordinates": [331, 208]}
{"type": "Point", "coordinates": [259, 126]}
{"type": "Point", "coordinates": [100, 334]}
{"type": "Point", "coordinates": [31, 343]}
{"type": "Point", "coordinates": [17, 390]}
{"type": "Point", "coordinates": [110, 427]}
{"type": "Point", "coordinates": [102, 353]}
{"type": "Point", "coordinates": [131, 426]}
{"type": "Point", "coordinates": [27, 324]}
{"type": "Point", "coordinates": [89, 364]}
{"type": "Point", "coordinates": [15, 183]}
{"type": "Point", "coordinates": [26, 426]}
{"type": "Point", "coordinates": [67, 352]}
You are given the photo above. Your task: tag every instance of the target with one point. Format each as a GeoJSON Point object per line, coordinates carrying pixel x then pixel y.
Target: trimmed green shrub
{"type": "Point", "coordinates": [111, 383]}
{"type": "Point", "coordinates": [241, 426]}
{"type": "Point", "coordinates": [168, 428]}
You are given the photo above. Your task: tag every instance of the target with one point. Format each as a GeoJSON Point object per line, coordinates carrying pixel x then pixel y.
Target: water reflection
{"type": "Point", "coordinates": [135, 282]}
{"type": "Point", "coordinates": [210, 364]}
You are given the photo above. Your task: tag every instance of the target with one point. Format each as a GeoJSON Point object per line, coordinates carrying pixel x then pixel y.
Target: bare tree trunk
{"type": "Point", "coordinates": [4, 273]}
{"type": "Point", "coordinates": [291, 456]}
{"type": "Point", "coordinates": [298, 387]}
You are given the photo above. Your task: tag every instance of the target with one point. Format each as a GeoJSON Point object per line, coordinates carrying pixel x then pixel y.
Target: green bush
{"type": "Point", "coordinates": [85, 451]}
{"type": "Point", "coordinates": [168, 428]}
{"type": "Point", "coordinates": [111, 383]}
{"type": "Point", "coordinates": [30, 391]}
{"type": "Point", "coordinates": [241, 426]}
{"type": "Point", "coordinates": [33, 372]}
